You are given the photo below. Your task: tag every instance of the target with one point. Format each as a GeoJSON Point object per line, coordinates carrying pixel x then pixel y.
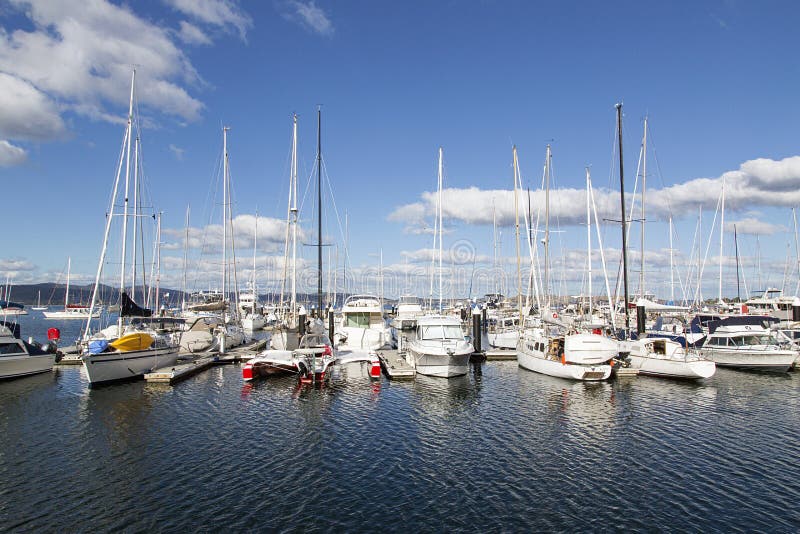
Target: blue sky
{"type": "Point", "coordinates": [718, 81]}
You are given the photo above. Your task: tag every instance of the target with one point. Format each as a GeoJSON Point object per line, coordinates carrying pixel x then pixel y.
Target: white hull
{"type": "Point", "coordinates": [441, 365]}
{"type": "Point", "coordinates": [253, 322]}
{"type": "Point", "coordinates": [770, 360]}
{"type": "Point", "coordinates": [13, 311]}
{"type": "Point", "coordinates": [539, 364]}
{"type": "Point", "coordinates": [673, 368]}
{"type": "Point", "coordinates": [113, 366]}
{"type": "Point", "coordinates": [24, 365]}
{"type": "Point", "coordinates": [504, 340]}
{"type": "Point", "coordinates": [70, 314]}
{"type": "Point", "coordinates": [364, 338]}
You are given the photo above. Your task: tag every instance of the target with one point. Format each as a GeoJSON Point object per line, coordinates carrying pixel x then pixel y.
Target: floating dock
{"type": "Point", "coordinates": [395, 365]}
{"type": "Point", "coordinates": [625, 372]}
{"type": "Point", "coordinates": [501, 354]}
{"type": "Point", "coordinates": [181, 370]}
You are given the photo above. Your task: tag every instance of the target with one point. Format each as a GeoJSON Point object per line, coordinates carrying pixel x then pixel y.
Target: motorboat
{"type": "Point", "coordinates": [18, 358]}
{"type": "Point", "coordinates": [439, 347]}
{"type": "Point", "coordinates": [362, 325]}
{"type": "Point", "coordinates": [408, 310]}
{"type": "Point", "coordinates": [667, 358]}
{"type": "Point", "coordinates": [746, 342]}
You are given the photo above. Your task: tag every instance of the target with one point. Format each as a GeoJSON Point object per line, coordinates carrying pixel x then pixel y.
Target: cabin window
{"type": "Point", "coordinates": [357, 320]}
{"type": "Point", "coordinates": [10, 349]}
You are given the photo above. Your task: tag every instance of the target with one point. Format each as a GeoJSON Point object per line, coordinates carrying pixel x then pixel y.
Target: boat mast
{"type": "Point", "coordinates": [547, 227]}
{"type": "Point", "coordinates": [66, 294]}
{"type": "Point", "coordinates": [721, 237]}
{"type": "Point", "coordinates": [224, 217]}
{"type": "Point", "coordinates": [515, 167]}
{"type": "Point", "coordinates": [439, 202]}
{"type": "Point", "coordinates": [671, 265]}
{"type": "Point", "coordinates": [797, 251]}
{"type": "Point", "coordinates": [255, 248]}
{"type": "Point", "coordinates": [624, 220]}
{"type": "Point", "coordinates": [185, 258]}
{"type": "Point", "coordinates": [589, 236]}
{"type": "Point", "coordinates": [156, 305]}
{"type": "Point", "coordinates": [293, 216]}
{"type": "Point", "coordinates": [736, 245]}
{"type": "Point", "coordinates": [319, 212]}
{"type": "Point", "coordinates": [644, 189]}
{"type": "Point", "coordinates": [125, 203]}
{"type": "Point", "coordinates": [135, 217]}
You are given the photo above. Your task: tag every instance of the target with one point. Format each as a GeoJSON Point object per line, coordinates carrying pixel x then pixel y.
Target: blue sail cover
{"type": "Point", "coordinates": [7, 304]}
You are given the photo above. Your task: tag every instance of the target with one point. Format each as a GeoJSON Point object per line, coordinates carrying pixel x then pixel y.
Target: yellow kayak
{"type": "Point", "coordinates": [131, 342]}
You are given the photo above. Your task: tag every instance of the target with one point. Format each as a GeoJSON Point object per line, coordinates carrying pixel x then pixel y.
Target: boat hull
{"type": "Point", "coordinates": [25, 365]}
{"type": "Point", "coordinates": [503, 340]}
{"type": "Point", "coordinates": [769, 360]}
{"type": "Point", "coordinates": [697, 369]}
{"type": "Point", "coordinates": [539, 364]}
{"type": "Point", "coordinates": [108, 367]}
{"type": "Point", "coordinates": [441, 365]}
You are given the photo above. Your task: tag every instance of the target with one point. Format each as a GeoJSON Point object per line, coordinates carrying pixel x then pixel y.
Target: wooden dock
{"type": "Point", "coordinates": [181, 370]}
{"type": "Point", "coordinates": [395, 365]}
{"type": "Point", "coordinates": [501, 355]}
{"type": "Point", "coordinates": [625, 372]}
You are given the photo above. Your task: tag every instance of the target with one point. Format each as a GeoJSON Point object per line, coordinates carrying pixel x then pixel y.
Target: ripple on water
{"type": "Point", "coordinates": [501, 449]}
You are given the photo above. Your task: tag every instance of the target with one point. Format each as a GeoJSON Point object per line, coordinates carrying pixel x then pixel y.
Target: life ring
{"type": "Point", "coordinates": [555, 315]}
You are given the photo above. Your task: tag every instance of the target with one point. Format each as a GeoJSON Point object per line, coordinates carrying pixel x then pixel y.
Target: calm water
{"type": "Point", "coordinates": [499, 450]}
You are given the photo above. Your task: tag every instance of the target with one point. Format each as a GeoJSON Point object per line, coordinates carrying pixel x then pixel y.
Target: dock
{"type": "Point", "coordinates": [498, 355]}
{"type": "Point", "coordinates": [395, 365]}
{"type": "Point", "coordinates": [625, 372]}
{"type": "Point", "coordinates": [181, 370]}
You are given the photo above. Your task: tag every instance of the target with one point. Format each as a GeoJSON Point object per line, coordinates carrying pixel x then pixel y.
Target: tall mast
{"type": "Point", "coordinates": [185, 258]}
{"type": "Point", "coordinates": [644, 189]}
{"type": "Point", "coordinates": [135, 216]}
{"type": "Point", "coordinates": [224, 216]}
{"type": "Point", "coordinates": [671, 266]}
{"type": "Point", "coordinates": [66, 294]}
{"type": "Point", "coordinates": [547, 227]}
{"type": "Point", "coordinates": [439, 202]}
{"type": "Point", "coordinates": [515, 166]}
{"type": "Point", "coordinates": [736, 244]}
{"type": "Point", "coordinates": [293, 215]}
{"type": "Point", "coordinates": [255, 248]}
{"type": "Point", "coordinates": [125, 203]}
{"type": "Point", "coordinates": [589, 236]}
{"type": "Point", "coordinates": [721, 237]}
{"type": "Point", "coordinates": [624, 220]}
{"type": "Point", "coordinates": [797, 252]}
{"type": "Point", "coordinates": [319, 212]}
{"type": "Point", "coordinates": [156, 306]}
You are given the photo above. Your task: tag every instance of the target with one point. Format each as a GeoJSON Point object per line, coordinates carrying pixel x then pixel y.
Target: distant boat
{"type": "Point", "coordinates": [39, 306]}
{"type": "Point", "coordinates": [70, 311]}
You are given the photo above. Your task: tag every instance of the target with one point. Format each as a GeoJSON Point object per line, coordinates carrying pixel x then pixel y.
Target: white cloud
{"type": "Point", "coordinates": [753, 226]}
{"type": "Point", "coordinates": [26, 113]}
{"type": "Point", "coordinates": [271, 235]}
{"type": "Point", "coordinates": [177, 151]}
{"type": "Point", "coordinates": [191, 34]}
{"type": "Point", "coordinates": [79, 55]}
{"type": "Point", "coordinates": [308, 15]}
{"type": "Point", "coordinates": [223, 13]}
{"type": "Point", "coordinates": [18, 264]}
{"type": "Point", "coordinates": [760, 182]}
{"type": "Point", "coordinates": [11, 155]}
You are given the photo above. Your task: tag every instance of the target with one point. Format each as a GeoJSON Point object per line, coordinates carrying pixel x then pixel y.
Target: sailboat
{"type": "Point", "coordinates": [70, 311]}
{"type": "Point", "coordinates": [439, 347]}
{"type": "Point", "coordinates": [659, 356]}
{"type": "Point", "coordinates": [39, 306]}
{"type": "Point", "coordinates": [127, 349]}
{"type": "Point", "coordinates": [252, 316]}
{"type": "Point", "coordinates": [544, 345]}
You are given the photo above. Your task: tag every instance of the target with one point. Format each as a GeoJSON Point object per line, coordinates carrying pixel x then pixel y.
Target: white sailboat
{"type": "Point", "coordinates": [71, 311]}
{"type": "Point", "coordinates": [666, 358]}
{"type": "Point", "coordinates": [124, 350]}
{"type": "Point", "coordinates": [39, 306]}
{"type": "Point", "coordinates": [544, 345]}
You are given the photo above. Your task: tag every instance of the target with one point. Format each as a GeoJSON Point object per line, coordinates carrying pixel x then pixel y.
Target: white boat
{"type": "Point", "coordinates": [362, 325]}
{"type": "Point", "coordinates": [39, 306]}
{"type": "Point", "coordinates": [252, 318]}
{"type": "Point", "coordinates": [18, 358]}
{"type": "Point", "coordinates": [744, 342]}
{"type": "Point", "coordinates": [12, 308]}
{"type": "Point", "coordinates": [503, 331]}
{"type": "Point", "coordinates": [408, 311]}
{"type": "Point", "coordinates": [71, 311]}
{"type": "Point", "coordinates": [126, 349]}
{"type": "Point", "coordinates": [575, 356]}
{"type": "Point", "coordinates": [667, 358]}
{"type": "Point", "coordinates": [311, 361]}
{"type": "Point", "coordinates": [440, 347]}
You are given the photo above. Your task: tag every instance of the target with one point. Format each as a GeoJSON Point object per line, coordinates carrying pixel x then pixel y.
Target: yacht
{"type": "Point", "coordinates": [362, 325]}
{"type": "Point", "coordinates": [440, 347]}
{"type": "Point", "coordinates": [746, 342]}
{"type": "Point", "coordinates": [544, 350]}
{"type": "Point", "coordinates": [18, 358]}
{"type": "Point", "coordinates": [667, 358]}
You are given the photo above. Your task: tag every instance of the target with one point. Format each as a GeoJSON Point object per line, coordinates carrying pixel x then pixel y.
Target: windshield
{"type": "Point", "coordinates": [439, 331]}
{"type": "Point", "coordinates": [314, 340]}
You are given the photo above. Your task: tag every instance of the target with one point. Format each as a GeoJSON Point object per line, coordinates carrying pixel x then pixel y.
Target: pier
{"type": "Point", "coordinates": [395, 365]}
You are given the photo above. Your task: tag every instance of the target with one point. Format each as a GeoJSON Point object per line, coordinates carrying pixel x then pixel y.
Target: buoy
{"type": "Point", "coordinates": [247, 371]}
